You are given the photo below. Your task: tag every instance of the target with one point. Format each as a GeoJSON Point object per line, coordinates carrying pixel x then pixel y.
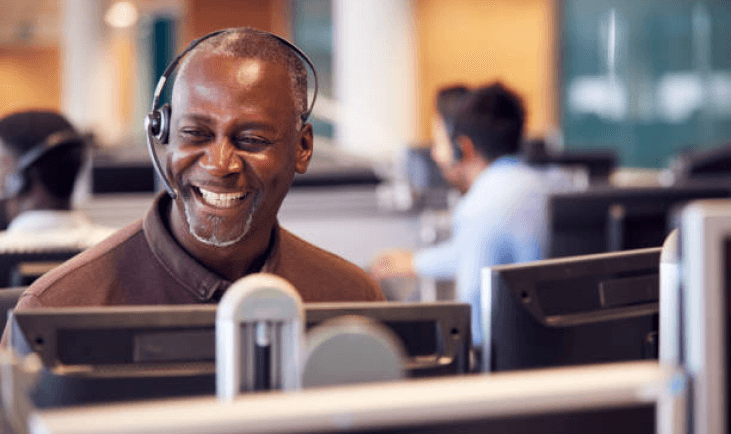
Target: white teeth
{"type": "Point", "coordinates": [223, 200]}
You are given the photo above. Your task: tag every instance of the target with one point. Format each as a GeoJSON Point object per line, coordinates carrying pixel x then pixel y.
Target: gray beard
{"type": "Point", "coordinates": [213, 240]}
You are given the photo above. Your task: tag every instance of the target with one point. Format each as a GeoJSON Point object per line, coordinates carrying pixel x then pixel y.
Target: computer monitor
{"type": "Point", "coordinates": [606, 219]}
{"type": "Point", "coordinates": [20, 268]}
{"type": "Point", "coordinates": [705, 242]}
{"type": "Point", "coordinates": [429, 189]}
{"type": "Point", "coordinates": [598, 163]}
{"type": "Point", "coordinates": [122, 177]}
{"type": "Point", "coordinates": [118, 353]}
{"type": "Point", "coordinates": [422, 171]}
{"type": "Point", "coordinates": [571, 311]}
{"type": "Point", "coordinates": [702, 165]}
{"type": "Point", "coordinates": [638, 397]}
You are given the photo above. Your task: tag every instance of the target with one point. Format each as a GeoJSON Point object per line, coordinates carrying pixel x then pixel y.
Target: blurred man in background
{"type": "Point", "coordinates": [501, 217]}
{"type": "Point", "coordinates": [41, 156]}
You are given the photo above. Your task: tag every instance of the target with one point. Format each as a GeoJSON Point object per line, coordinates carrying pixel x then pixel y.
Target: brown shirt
{"type": "Point", "coordinates": [143, 264]}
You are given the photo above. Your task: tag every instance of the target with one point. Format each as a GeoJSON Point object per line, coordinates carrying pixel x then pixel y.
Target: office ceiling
{"type": "Point", "coordinates": [29, 21]}
{"type": "Point", "coordinates": [38, 22]}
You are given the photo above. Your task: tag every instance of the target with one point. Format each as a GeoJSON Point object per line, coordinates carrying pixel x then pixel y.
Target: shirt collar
{"type": "Point", "coordinates": [505, 161]}
{"type": "Point", "coordinates": [40, 220]}
{"type": "Point", "coordinates": [206, 285]}
{"type": "Point", "coordinates": [498, 165]}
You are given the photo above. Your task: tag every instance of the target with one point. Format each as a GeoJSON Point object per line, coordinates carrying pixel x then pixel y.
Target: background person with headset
{"type": "Point", "coordinates": [234, 136]}
{"type": "Point", "coordinates": [398, 262]}
{"type": "Point", "coordinates": [501, 217]}
{"type": "Point", "coordinates": [41, 155]}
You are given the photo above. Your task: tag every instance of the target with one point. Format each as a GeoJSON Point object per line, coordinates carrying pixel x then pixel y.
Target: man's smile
{"type": "Point", "coordinates": [220, 200]}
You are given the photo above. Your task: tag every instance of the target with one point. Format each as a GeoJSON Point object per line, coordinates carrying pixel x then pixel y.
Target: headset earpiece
{"type": "Point", "coordinates": [158, 124]}
{"type": "Point", "coordinates": [152, 123]}
{"type": "Point", "coordinates": [456, 151]}
{"type": "Point", "coordinates": [453, 141]}
{"type": "Point", "coordinates": [163, 136]}
{"type": "Point", "coordinates": [14, 184]}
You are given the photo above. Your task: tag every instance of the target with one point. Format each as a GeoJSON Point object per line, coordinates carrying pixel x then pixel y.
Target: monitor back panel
{"type": "Point", "coordinates": [572, 311]}
{"type": "Point", "coordinates": [120, 353]}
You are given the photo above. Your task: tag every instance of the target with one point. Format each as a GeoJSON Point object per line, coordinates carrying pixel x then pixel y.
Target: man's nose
{"type": "Point", "coordinates": [221, 159]}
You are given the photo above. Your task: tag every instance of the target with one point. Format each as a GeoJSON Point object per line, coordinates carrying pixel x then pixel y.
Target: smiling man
{"type": "Point", "coordinates": [237, 138]}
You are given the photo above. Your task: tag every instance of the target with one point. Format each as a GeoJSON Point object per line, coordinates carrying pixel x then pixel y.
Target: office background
{"type": "Point", "coordinates": [380, 61]}
{"type": "Point", "coordinates": [647, 78]}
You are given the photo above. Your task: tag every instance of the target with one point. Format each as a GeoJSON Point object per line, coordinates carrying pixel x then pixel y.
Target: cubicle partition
{"type": "Point", "coordinates": [628, 398]}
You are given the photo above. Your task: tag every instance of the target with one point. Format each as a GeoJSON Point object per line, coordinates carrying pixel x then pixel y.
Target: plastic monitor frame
{"type": "Point", "coordinates": [166, 344]}
{"type": "Point", "coordinates": [537, 300]}
{"type": "Point", "coordinates": [397, 406]}
{"type": "Point", "coordinates": [705, 232]}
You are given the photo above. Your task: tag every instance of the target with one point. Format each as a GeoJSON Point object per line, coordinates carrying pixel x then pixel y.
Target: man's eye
{"type": "Point", "coordinates": [193, 134]}
{"type": "Point", "coordinates": [254, 143]}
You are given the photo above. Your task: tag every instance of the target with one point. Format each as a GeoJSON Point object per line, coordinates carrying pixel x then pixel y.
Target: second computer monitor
{"type": "Point", "coordinates": [610, 219]}
{"type": "Point", "coordinates": [571, 311]}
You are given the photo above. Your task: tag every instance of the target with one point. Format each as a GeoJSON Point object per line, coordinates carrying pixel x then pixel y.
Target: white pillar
{"type": "Point", "coordinates": [375, 76]}
{"type": "Point", "coordinates": [88, 76]}
{"type": "Point", "coordinates": [81, 40]}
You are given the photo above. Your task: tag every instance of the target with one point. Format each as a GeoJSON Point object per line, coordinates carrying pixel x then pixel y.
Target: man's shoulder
{"type": "Point", "coordinates": [83, 279]}
{"type": "Point", "coordinates": [322, 275]}
{"type": "Point", "coordinates": [511, 187]}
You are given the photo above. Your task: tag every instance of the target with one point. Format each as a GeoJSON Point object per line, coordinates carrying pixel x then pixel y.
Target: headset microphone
{"type": "Point", "coordinates": [453, 142]}
{"type": "Point", "coordinates": [157, 121]}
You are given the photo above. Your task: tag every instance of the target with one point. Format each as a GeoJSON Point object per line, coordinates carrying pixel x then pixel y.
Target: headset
{"type": "Point", "coordinates": [15, 182]}
{"type": "Point", "coordinates": [456, 150]}
{"type": "Point", "coordinates": [157, 121]}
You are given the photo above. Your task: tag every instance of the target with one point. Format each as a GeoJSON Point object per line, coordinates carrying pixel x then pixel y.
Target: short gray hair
{"type": "Point", "coordinates": [246, 42]}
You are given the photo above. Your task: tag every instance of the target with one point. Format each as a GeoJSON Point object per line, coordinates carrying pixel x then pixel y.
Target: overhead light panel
{"type": "Point", "coordinates": [121, 14]}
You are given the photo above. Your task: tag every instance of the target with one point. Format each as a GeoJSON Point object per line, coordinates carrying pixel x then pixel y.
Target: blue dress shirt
{"type": "Point", "coordinates": [500, 220]}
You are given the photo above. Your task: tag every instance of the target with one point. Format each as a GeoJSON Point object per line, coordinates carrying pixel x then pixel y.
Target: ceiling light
{"type": "Point", "coordinates": [121, 14]}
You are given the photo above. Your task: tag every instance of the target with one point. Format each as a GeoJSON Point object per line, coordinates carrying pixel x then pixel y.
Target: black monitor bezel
{"type": "Point", "coordinates": [512, 297]}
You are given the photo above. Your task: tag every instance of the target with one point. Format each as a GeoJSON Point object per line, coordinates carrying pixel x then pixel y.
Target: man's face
{"type": "Point", "coordinates": [234, 146]}
{"type": "Point", "coordinates": [443, 154]}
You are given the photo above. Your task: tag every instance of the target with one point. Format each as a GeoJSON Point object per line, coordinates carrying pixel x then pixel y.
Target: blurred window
{"type": "Point", "coordinates": [648, 78]}
{"type": "Point", "coordinates": [312, 31]}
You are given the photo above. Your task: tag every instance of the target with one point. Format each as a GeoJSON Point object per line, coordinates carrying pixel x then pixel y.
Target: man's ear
{"type": "Point", "coordinates": [466, 147]}
{"type": "Point", "coordinates": [305, 144]}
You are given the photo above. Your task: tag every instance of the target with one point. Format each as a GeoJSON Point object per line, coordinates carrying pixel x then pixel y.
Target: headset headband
{"type": "Point", "coordinates": [157, 120]}
{"type": "Point", "coordinates": [174, 64]}
{"type": "Point", "coordinates": [59, 138]}
{"type": "Point", "coordinates": [16, 181]}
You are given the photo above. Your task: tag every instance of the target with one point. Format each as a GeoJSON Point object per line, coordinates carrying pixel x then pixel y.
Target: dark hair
{"type": "Point", "coordinates": [492, 117]}
{"type": "Point", "coordinates": [448, 103]}
{"type": "Point", "coordinates": [58, 168]}
{"type": "Point", "coordinates": [247, 42]}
